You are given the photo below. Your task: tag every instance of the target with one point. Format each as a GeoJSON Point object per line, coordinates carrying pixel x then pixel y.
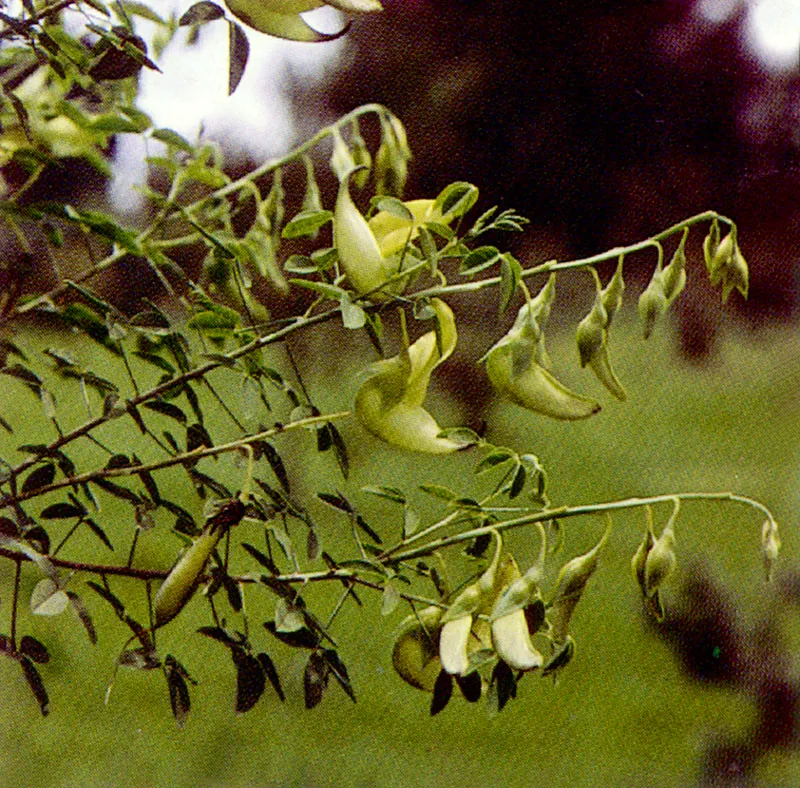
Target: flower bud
{"type": "Point", "coordinates": [660, 562]}
{"type": "Point", "coordinates": [640, 556]}
{"type": "Point", "coordinates": [572, 580]}
{"type": "Point", "coordinates": [611, 294]}
{"type": "Point", "coordinates": [592, 339]}
{"type": "Point", "coordinates": [770, 546]}
{"type": "Point", "coordinates": [673, 277]}
{"type": "Point", "coordinates": [652, 303]}
{"type": "Point", "coordinates": [711, 244]}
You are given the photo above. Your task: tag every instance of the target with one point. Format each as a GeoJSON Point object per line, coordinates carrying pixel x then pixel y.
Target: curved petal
{"type": "Point", "coordinates": [512, 642]}
{"type": "Point", "coordinates": [453, 644]}
{"type": "Point", "coordinates": [355, 6]}
{"type": "Point", "coordinates": [359, 253]}
{"type": "Point", "coordinates": [535, 388]}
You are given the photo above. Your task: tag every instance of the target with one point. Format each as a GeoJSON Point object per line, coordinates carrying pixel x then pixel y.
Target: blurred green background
{"type": "Point", "coordinates": [625, 712]}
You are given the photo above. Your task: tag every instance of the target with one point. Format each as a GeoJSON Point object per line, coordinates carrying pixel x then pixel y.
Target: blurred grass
{"type": "Point", "coordinates": [623, 713]}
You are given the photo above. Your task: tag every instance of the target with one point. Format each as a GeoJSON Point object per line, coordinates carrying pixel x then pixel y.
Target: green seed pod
{"type": "Point", "coordinates": [572, 580]}
{"type": "Point", "coordinates": [660, 562]}
{"type": "Point", "coordinates": [415, 655]}
{"type": "Point", "coordinates": [181, 582]}
{"type": "Point", "coordinates": [770, 546]}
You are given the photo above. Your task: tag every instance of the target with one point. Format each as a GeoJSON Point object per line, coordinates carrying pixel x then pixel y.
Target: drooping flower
{"type": "Point", "coordinates": [370, 252]}
{"type": "Point", "coordinates": [389, 403]}
{"type": "Point", "coordinates": [282, 18]}
{"type": "Point", "coordinates": [515, 369]}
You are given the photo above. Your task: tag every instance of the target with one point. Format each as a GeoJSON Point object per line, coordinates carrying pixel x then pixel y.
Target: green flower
{"type": "Point", "coordinates": [514, 369]}
{"type": "Point", "coordinates": [370, 252]}
{"type": "Point", "coordinates": [389, 402]}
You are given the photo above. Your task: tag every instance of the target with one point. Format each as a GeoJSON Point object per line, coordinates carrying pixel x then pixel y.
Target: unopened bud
{"type": "Point", "coordinates": [572, 580]}
{"type": "Point", "coordinates": [652, 303]}
{"type": "Point", "coordinates": [612, 293]}
{"type": "Point", "coordinates": [660, 562]}
{"type": "Point", "coordinates": [415, 655]}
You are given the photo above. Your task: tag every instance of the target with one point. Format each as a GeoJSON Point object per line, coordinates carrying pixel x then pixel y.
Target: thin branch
{"type": "Point", "coordinates": [177, 459]}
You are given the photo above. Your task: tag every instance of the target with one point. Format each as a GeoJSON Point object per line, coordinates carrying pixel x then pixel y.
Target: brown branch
{"type": "Point", "coordinates": [178, 459]}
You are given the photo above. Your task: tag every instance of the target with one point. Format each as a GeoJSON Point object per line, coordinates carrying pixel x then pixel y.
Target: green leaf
{"type": "Point", "coordinates": [389, 493]}
{"type": "Point", "coordinates": [392, 206]}
{"type": "Point", "coordinates": [178, 690]}
{"type": "Point", "coordinates": [315, 679]}
{"type": "Point", "coordinates": [36, 684]}
{"type": "Point", "coordinates": [299, 264]}
{"type": "Point", "coordinates": [510, 275]}
{"type": "Point", "coordinates": [173, 139]}
{"type": "Point", "coordinates": [306, 223]}
{"type": "Point", "coordinates": [456, 199]}
{"type": "Point", "coordinates": [479, 260]}
{"type": "Point", "coordinates": [438, 491]}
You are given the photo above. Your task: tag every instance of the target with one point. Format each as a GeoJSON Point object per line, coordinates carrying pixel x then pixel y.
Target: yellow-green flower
{"type": "Point", "coordinates": [389, 402]}
{"type": "Point", "coordinates": [370, 252]}
{"type": "Point", "coordinates": [514, 369]}
{"type": "Point", "coordinates": [282, 18]}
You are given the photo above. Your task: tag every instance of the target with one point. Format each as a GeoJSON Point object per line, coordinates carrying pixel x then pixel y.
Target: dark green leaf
{"type": "Point", "coordinates": [178, 691]}
{"type": "Point", "coordinates": [457, 198]}
{"type": "Point", "coordinates": [36, 650]}
{"type": "Point", "coordinates": [136, 416]}
{"type": "Point", "coordinates": [315, 679]}
{"type": "Point", "coordinates": [39, 477]}
{"type": "Point", "coordinates": [197, 436]}
{"type": "Point", "coordinates": [510, 275]}
{"type": "Point", "coordinates": [262, 559]}
{"type": "Point", "coordinates": [20, 372]}
{"type": "Point", "coordinates": [504, 684]}
{"type": "Point", "coordinates": [479, 546]}
{"type": "Point", "coordinates": [99, 533]}
{"type": "Point", "coordinates": [36, 684]}
{"type": "Point", "coordinates": [166, 409]}
{"type": "Point", "coordinates": [200, 13]}
{"type": "Point", "coordinates": [518, 483]}
{"type": "Point", "coordinates": [470, 686]}
{"type": "Point", "coordinates": [250, 679]}
{"type": "Point", "coordinates": [275, 462]}
{"type": "Point", "coordinates": [300, 638]}
{"type": "Point", "coordinates": [62, 511]}
{"type": "Point", "coordinates": [479, 260]}
{"type": "Point", "coordinates": [442, 692]}
{"type": "Point", "coordinates": [83, 615]}
{"type": "Point", "coordinates": [337, 501]}
{"type": "Point", "coordinates": [117, 490]}
{"type": "Point", "coordinates": [150, 485]}
{"type": "Point", "coordinates": [340, 449]}
{"type": "Point", "coordinates": [118, 461]}
{"type": "Point", "coordinates": [365, 527]}
{"type": "Point", "coordinates": [339, 672]}
{"type": "Point", "coordinates": [239, 51]}
{"type": "Point", "coordinates": [218, 634]}
{"type": "Point", "coordinates": [269, 671]}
